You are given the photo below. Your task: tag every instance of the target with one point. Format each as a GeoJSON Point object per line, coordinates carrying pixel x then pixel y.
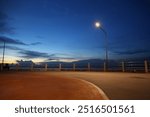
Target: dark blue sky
{"type": "Point", "coordinates": [43, 30]}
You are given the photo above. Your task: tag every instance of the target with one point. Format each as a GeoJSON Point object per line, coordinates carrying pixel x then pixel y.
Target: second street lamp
{"type": "Point", "coordinates": [98, 25]}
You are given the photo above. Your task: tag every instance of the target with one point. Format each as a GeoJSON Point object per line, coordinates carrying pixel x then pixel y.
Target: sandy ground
{"type": "Point", "coordinates": [125, 86]}
{"type": "Point", "coordinates": [46, 86]}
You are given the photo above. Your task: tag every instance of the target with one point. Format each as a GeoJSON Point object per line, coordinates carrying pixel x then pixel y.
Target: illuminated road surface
{"type": "Point", "coordinates": [117, 85]}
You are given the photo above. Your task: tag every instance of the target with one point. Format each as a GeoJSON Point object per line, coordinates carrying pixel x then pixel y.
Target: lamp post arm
{"type": "Point", "coordinates": [103, 30]}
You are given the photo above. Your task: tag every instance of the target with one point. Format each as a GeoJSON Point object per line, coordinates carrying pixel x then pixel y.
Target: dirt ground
{"type": "Point", "coordinates": [46, 86]}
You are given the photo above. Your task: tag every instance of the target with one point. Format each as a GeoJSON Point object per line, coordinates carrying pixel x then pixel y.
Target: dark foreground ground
{"type": "Point", "coordinates": [70, 85]}
{"type": "Point", "coordinates": [46, 86]}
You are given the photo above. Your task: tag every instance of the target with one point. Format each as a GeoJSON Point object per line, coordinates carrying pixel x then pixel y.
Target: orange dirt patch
{"type": "Point", "coordinates": [44, 86]}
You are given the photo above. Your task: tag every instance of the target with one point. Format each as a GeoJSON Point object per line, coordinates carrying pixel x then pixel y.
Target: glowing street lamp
{"type": "Point", "coordinates": [99, 26]}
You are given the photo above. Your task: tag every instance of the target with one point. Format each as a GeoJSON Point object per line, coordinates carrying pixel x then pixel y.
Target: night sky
{"type": "Point", "coordinates": [63, 30]}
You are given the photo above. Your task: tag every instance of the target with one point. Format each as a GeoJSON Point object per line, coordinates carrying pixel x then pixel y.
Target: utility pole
{"type": "Point", "coordinates": [3, 56]}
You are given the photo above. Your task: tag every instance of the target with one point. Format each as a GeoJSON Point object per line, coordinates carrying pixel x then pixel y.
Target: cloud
{"type": "Point", "coordinates": [131, 52]}
{"type": "Point", "coordinates": [8, 40]}
{"type": "Point", "coordinates": [61, 57]}
{"type": "Point", "coordinates": [11, 41]}
{"type": "Point", "coordinates": [4, 25]}
{"type": "Point", "coordinates": [10, 47]}
{"type": "Point", "coordinates": [28, 54]}
{"type": "Point", "coordinates": [36, 43]}
{"type": "Point", "coordinates": [49, 57]}
{"type": "Point", "coordinates": [33, 54]}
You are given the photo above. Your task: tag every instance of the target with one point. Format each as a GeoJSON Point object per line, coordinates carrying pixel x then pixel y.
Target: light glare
{"type": "Point", "coordinates": [97, 24]}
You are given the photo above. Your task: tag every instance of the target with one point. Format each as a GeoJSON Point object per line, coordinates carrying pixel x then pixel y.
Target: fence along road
{"type": "Point", "coordinates": [142, 66]}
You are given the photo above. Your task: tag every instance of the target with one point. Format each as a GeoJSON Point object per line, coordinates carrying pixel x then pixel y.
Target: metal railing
{"type": "Point", "coordinates": [118, 66]}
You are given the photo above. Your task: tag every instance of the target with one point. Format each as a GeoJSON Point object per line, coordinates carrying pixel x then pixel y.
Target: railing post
{"type": "Point", "coordinates": [146, 66]}
{"type": "Point", "coordinates": [74, 67]}
{"type": "Point", "coordinates": [89, 67]}
{"type": "Point", "coordinates": [1, 67]}
{"type": "Point", "coordinates": [31, 66]}
{"type": "Point", "coordinates": [46, 67]}
{"type": "Point", "coordinates": [104, 66]}
{"type": "Point", "coordinates": [17, 67]}
{"type": "Point", "coordinates": [123, 67]}
{"type": "Point", "coordinates": [59, 66]}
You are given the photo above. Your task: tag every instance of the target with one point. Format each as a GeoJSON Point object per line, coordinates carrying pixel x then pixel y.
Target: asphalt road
{"type": "Point", "coordinates": [116, 85]}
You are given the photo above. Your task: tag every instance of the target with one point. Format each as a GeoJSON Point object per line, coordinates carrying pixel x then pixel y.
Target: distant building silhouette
{"type": "Point", "coordinates": [24, 63]}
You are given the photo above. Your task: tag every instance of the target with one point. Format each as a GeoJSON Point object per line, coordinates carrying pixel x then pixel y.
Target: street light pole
{"type": "Point", "coordinates": [98, 25]}
{"type": "Point", "coordinates": [3, 56]}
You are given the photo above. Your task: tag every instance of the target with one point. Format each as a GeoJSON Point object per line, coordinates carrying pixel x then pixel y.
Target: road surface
{"type": "Point", "coordinates": [51, 85]}
{"type": "Point", "coordinates": [117, 85]}
{"type": "Point", "coordinates": [46, 86]}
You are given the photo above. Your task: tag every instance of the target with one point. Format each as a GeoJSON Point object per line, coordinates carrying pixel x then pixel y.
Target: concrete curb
{"type": "Point", "coordinates": [99, 90]}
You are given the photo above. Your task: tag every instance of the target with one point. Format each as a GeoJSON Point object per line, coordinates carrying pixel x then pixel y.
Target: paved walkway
{"type": "Point", "coordinates": [45, 86]}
